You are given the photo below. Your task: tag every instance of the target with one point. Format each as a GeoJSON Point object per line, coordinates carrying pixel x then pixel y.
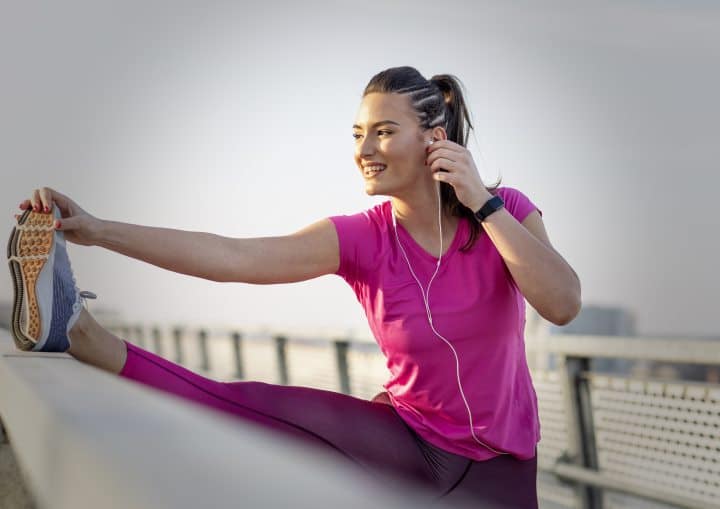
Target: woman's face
{"type": "Point", "coordinates": [387, 132]}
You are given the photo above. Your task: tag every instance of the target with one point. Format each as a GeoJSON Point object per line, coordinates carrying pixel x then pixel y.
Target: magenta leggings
{"type": "Point", "coordinates": [368, 433]}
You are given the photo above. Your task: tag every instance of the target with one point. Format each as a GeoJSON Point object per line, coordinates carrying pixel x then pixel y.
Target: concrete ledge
{"type": "Point", "coordinates": [13, 493]}
{"type": "Point", "coordinates": [86, 438]}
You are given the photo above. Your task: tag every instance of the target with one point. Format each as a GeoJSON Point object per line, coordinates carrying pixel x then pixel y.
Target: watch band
{"type": "Point", "coordinates": [493, 204]}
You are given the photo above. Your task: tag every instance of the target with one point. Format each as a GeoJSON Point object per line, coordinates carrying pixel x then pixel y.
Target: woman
{"type": "Point", "coordinates": [459, 413]}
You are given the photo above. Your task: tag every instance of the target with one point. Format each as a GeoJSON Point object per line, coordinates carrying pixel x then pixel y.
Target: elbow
{"type": "Point", "coordinates": [570, 310]}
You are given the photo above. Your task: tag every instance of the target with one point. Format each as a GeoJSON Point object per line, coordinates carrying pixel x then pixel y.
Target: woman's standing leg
{"type": "Point", "coordinates": [501, 482]}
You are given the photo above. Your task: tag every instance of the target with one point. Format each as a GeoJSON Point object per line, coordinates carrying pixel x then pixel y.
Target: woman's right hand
{"type": "Point", "coordinates": [78, 226]}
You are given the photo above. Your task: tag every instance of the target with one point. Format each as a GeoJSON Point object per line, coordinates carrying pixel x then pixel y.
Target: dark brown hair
{"type": "Point", "coordinates": [438, 101]}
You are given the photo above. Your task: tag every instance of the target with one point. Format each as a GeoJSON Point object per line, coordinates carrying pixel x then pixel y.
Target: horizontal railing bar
{"type": "Point", "coordinates": [599, 479]}
{"type": "Point", "coordinates": [680, 350]}
{"type": "Point", "coordinates": [675, 350]}
{"type": "Point", "coordinates": [590, 375]}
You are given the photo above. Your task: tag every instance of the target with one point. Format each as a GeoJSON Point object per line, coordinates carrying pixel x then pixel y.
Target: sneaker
{"type": "Point", "coordinates": [47, 301]}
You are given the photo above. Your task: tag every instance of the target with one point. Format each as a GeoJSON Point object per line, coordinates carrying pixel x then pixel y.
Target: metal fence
{"type": "Point", "coordinates": [74, 436]}
{"type": "Point", "coordinates": [609, 440]}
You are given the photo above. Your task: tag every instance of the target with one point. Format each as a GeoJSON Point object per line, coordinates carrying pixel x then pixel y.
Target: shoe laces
{"type": "Point", "coordinates": [87, 295]}
{"type": "Point", "coordinates": [81, 300]}
{"type": "Point", "coordinates": [82, 296]}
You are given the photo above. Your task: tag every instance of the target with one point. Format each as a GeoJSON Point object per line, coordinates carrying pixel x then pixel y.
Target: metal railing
{"type": "Point", "coordinates": [605, 435]}
{"type": "Point", "coordinates": [653, 438]}
{"type": "Point", "coordinates": [84, 438]}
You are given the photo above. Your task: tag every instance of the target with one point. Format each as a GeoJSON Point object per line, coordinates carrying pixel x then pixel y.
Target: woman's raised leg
{"type": "Point", "coordinates": [368, 433]}
{"type": "Point", "coordinates": [94, 345]}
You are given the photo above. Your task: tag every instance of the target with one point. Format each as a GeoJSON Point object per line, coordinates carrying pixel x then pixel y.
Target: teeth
{"type": "Point", "coordinates": [373, 169]}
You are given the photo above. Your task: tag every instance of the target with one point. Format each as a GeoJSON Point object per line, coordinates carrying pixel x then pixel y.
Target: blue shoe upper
{"type": "Point", "coordinates": [65, 297]}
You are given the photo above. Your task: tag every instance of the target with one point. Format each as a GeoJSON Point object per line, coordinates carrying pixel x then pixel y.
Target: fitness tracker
{"type": "Point", "coordinates": [493, 204]}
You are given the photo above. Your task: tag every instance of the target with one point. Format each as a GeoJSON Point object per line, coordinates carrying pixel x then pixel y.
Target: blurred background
{"type": "Point", "coordinates": [235, 118]}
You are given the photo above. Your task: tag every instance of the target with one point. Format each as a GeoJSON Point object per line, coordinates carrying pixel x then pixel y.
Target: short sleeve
{"type": "Point", "coordinates": [519, 205]}
{"type": "Point", "coordinates": [355, 235]}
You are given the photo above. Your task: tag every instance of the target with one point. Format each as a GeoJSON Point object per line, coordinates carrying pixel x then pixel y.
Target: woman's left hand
{"type": "Point", "coordinates": [460, 173]}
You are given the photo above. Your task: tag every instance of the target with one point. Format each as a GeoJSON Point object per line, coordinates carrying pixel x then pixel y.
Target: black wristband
{"type": "Point", "coordinates": [493, 204]}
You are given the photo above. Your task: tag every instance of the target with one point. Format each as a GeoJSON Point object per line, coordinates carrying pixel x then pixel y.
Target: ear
{"type": "Point", "coordinates": [439, 133]}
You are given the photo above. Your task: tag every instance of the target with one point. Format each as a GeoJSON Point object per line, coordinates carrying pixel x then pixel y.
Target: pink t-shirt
{"type": "Point", "coordinates": [475, 304]}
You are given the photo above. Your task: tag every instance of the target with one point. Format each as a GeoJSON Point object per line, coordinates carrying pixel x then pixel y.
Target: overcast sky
{"type": "Point", "coordinates": [236, 119]}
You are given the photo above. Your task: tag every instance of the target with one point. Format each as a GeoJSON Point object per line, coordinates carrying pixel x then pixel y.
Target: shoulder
{"type": "Point", "coordinates": [517, 202]}
{"type": "Point", "coordinates": [361, 237]}
{"type": "Point", "coordinates": [375, 217]}
{"type": "Point", "coordinates": [508, 193]}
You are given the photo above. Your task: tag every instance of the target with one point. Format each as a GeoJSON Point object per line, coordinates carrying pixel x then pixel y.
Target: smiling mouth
{"type": "Point", "coordinates": [371, 171]}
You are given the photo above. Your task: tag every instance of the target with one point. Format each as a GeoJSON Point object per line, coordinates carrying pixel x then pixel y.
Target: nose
{"type": "Point", "coordinates": [366, 147]}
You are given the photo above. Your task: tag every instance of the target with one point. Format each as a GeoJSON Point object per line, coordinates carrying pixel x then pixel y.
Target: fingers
{"type": "Point", "coordinates": [46, 198]}
{"type": "Point", "coordinates": [445, 146]}
{"type": "Point", "coordinates": [442, 163]}
{"type": "Point", "coordinates": [443, 176]}
{"type": "Point", "coordinates": [39, 201]}
{"type": "Point", "coordinates": [69, 223]}
{"type": "Point", "coordinates": [447, 153]}
{"type": "Point", "coordinates": [36, 202]}
{"type": "Point", "coordinates": [42, 200]}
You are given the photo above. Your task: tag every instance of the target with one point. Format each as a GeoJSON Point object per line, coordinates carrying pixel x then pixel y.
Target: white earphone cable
{"type": "Point", "coordinates": [426, 299]}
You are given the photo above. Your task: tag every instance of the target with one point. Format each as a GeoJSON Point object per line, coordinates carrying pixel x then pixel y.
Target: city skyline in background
{"type": "Point", "coordinates": [205, 119]}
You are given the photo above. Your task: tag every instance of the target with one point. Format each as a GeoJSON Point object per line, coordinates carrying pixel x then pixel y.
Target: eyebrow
{"type": "Point", "coordinates": [356, 126]}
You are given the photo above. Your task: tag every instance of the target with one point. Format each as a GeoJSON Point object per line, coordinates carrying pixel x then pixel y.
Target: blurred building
{"type": "Point", "coordinates": [598, 320]}
{"type": "Point", "coordinates": [615, 321]}
{"type": "Point", "coordinates": [602, 321]}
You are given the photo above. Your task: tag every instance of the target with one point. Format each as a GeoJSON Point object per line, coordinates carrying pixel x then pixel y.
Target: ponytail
{"type": "Point", "coordinates": [439, 101]}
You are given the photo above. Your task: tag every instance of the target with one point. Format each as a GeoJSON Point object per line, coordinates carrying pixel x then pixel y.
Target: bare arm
{"type": "Point", "coordinates": [546, 280]}
{"type": "Point", "coordinates": [306, 254]}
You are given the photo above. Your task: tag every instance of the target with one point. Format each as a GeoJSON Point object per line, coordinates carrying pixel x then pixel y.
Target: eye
{"type": "Point", "coordinates": [383, 131]}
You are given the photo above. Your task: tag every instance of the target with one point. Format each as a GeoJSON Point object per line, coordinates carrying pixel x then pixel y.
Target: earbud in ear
{"type": "Point", "coordinates": [430, 142]}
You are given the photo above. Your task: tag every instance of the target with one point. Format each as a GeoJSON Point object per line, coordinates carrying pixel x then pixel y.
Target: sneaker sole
{"type": "Point", "coordinates": [29, 249]}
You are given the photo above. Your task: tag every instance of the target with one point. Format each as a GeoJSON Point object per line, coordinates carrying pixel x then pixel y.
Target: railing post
{"type": "Point", "coordinates": [154, 334]}
{"type": "Point", "coordinates": [580, 424]}
{"type": "Point", "coordinates": [237, 347]}
{"type": "Point", "coordinates": [204, 357]}
{"type": "Point", "coordinates": [341, 350]}
{"type": "Point", "coordinates": [157, 343]}
{"type": "Point", "coordinates": [177, 340]}
{"type": "Point", "coordinates": [140, 336]}
{"type": "Point", "coordinates": [281, 353]}
{"type": "Point", "coordinates": [125, 331]}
